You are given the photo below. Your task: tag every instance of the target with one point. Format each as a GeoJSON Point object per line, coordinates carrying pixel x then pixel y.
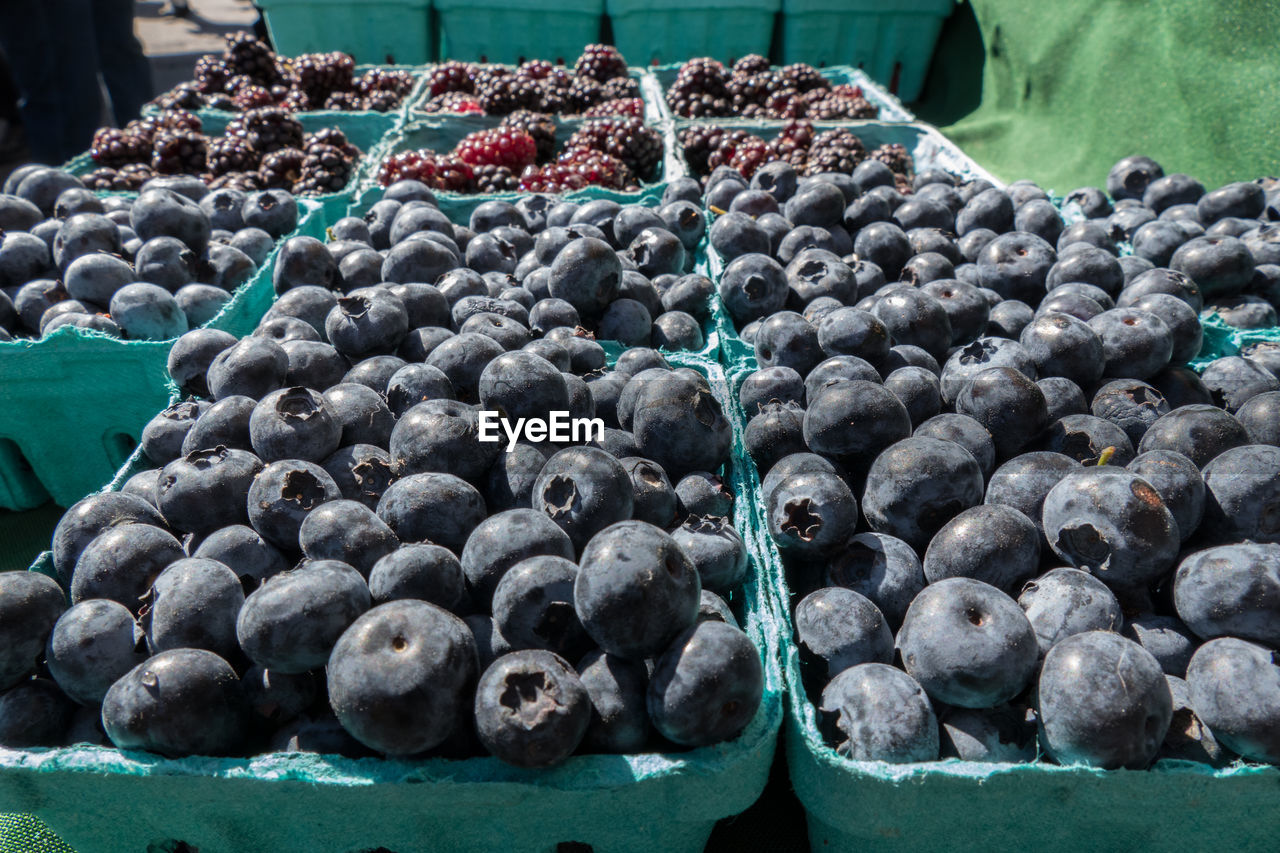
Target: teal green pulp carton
{"type": "Point", "coordinates": [649, 32]}
{"type": "Point", "coordinates": [73, 403]}
{"type": "Point", "coordinates": [390, 31]}
{"type": "Point", "coordinates": [512, 31]}
{"type": "Point", "coordinates": [101, 800]}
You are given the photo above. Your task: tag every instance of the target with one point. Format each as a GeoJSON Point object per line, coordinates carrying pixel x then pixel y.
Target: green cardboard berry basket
{"type": "Point", "coordinates": [654, 31]}
{"type": "Point", "coordinates": [893, 41]}
{"type": "Point", "coordinates": [891, 108]}
{"type": "Point", "coordinates": [101, 800]}
{"type": "Point", "coordinates": [387, 31]}
{"type": "Point", "coordinates": [73, 403]}
{"type": "Point", "coordinates": [515, 30]}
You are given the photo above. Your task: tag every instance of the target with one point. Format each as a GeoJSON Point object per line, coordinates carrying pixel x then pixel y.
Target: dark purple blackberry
{"type": "Point", "coordinates": [179, 120]}
{"type": "Point", "coordinates": [626, 107]}
{"type": "Point", "coordinates": [836, 150]}
{"type": "Point", "coordinates": [804, 77]}
{"type": "Point", "coordinates": [326, 169]}
{"type": "Point", "coordinates": [500, 95]}
{"type": "Point", "coordinates": [495, 179]}
{"type": "Point", "coordinates": [296, 101]}
{"type": "Point", "coordinates": [252, 97]}
{"type": "Point", "coordinates": [220, 101]}
{"type": "Point", "coordinates": [280, 91]}
{"type": "Point", "coordinates": [701, 89]}
{"type": "Point", "coordinates": [698, 143]}
{"type": "Point", "coordinates": [251, 57]}
{"type": "Point", "coordinates": [620, 87]}
{"type": "Point", "coordinates": [135, 175]}
{"type": "Point", "coordinates": [179, 152]}
{"type": "Point", "coordinates": [391, 80]}
{"type": "Point", "coordinates": [321, 74]}
{"type": "Point", "coordinates": [212, 74]}
{"type": "Point", "coordinates": [535, 69]}
{"type": "Point", "coordinates": [381, 102]}
{"type": "Point", "coordinates": [267, 129]}
{"type": "Point", "coordinates": [638, 146]}
{"type": "Point", "coordinates": [453, 102]}
{"type": "Point", "coordinates": [747, 89]}
{"type": "Point", "coordinates": [451, 76]}
{"type": "Point", "coordinates": [831, 106]}
{"type": "Point", "coordinates": [583, 93]}
{"type": "Point", "coordinates": [752, 63]}
{"type": "Point", "coordinates": [104, 178]}
{"type": "Point", "coordinates": [184, 96]}
{"type": "Point", "coordinates": [344, 101]}
{"type": "Point", "coordinates": [229, 154]}
{"type": "Point", "coordinates": [895, 157]}
{"type": "Point", "coordinates": [330, 136]}
{"type": "Point", "coordinates": [243, 181]}
{"type": "Point", "coordinates": [281, 169]}
{"type": "Point", "coordinates": [114, 148]}
{"type": "Point", "coordinates": [600, 62]}
{"type": "Point", "coordinates": [540, 126]}
{"type": "Point", "coordinates": [726, 145]}
{"type": "Point", "coordinates": [793, 147]}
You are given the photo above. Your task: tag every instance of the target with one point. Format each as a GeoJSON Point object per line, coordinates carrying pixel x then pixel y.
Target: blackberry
{"type": "Point", "coordinates": [701, 89]}
{"type": "Point", "coordinates": [726, 145]}
{"type": "Point", "coordinates": [296, 101]}
{"type": "Point", "coordinates": [280, 91]}
{"type": "Point", "coordinates": [751, 155]}
{"type": "Point", "coordinates": [535, 69]}
{"type": "Point", "coordinates": [229, 154]}
{"type": "Point", "coordinates": [184, 96]}
{"type": "Point", "coordinates": [495, 179]}
{"type": "Point", "coordinates": [841, 107]}
{"type": "Point", "coordinates": [627, 107]}
{"type": "Point", "coordinates": [252, 97]}
{"type": "Point", "coordinates": [747, 89]}
{"type": "Point", "coordinates": [267, 129]}
{"type": "Point", "coordinates": [785, 103]}
{"type": "Point", "coordinates": [453, 102]}
{"type": "Point", "coordinates": [500, 146]}
{"type": "Point", "coordinates": [344, 101]}
{"type": "Point", "coordinates": [251, 57]}
{"type": "Point", "coordinates": [790, 150]}
{"type": "Point", "coordinates": [219, 101]}
{"type": "Point", "coordinates": [212, 74]}
{"type": "Point", "coordinates": [504, 94]}
{"type": "Point", "coordinates": [578, 168]}
{"type": "Point", "coordinates": [381, 102]}
{"type": "Point", "coordinates": [281, 169]}
{"type": "Point", "coordinates": [620, 87]}
{"type": "Point", "coordinates": [583, 93]}
{"type": "Point", "coordinates": [331, 136]}
{"type": "Point", "coordinates": [752, 63]}
{"type": "Point", "coordinates": [243, 181]}
{"type": "Point", "coordinates": [397, 82]}
{"type": "Point", "coordinates": [322, 74]}
{"type": "Point", "coordinates": [178, 120]}
{"type": "Point", "coordinates": [628, 139]}
{"type": "Point", "coordinates": [895, 157]}
{"type": "Point", "coordinates": [451, 76]}
{"type": "Point", "coordinates": [453, 175]}
{"type": "Point", "coordinates": [540, 126]}
{"type": "Point", "coordinates": [803, 77]}
{"type": "Point", "coordinates": [698, 143]}
{"type": "Point", "coordinates": [434, 171]}
{"type": "Point", "coordinates": [135, 175]}
{"type": "Point", "coordinates": [104, 178]}
{"type": "Point", "coordinates": [326, 169]}
{"type": "Point", "coordinates": [836, 150]}
{"type": "Point", "coordinates": [902, 184]}
{"type": "Point", "coordinates": [114, 148]}
{"type": "Point", "coordinates": [600, 62]}
{"type": "Point", "coordinates": [179, 152]}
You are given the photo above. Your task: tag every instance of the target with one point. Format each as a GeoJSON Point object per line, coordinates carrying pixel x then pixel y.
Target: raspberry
{"type": "Point", "coordinates": [540, 126]}
{"type": "Point", "coordinates": [508, 147]}
{"type": "Point", "coordinates": [600, 62]}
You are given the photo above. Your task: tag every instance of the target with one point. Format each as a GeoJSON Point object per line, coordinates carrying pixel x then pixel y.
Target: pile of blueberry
{"type": "Point", "coordinates": [148, 268]}
{"type": "Point", "coordinates": [522, 154]}
{"type": "Point", "coordinates": [1015, 524]}
{"type": "Point", "coordinates": [335, 550]}
{"type": "Point", "coordinates": [248, 74]}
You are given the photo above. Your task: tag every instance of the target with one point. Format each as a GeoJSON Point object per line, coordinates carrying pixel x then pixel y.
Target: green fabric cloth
{"type": "Point", "coordinates": [1066, 89]}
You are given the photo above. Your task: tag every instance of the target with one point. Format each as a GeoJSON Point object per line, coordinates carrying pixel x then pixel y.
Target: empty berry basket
{"type": "Point", "coordinates": [648, 33]}
{"type": "Point", "coordinates": [516, 30]}
{"type": "Point", "coordinates": [388, 31]}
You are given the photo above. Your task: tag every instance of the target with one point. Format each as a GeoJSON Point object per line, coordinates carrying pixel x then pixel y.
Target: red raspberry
{"type": "Point", "coordinates": [500, 146]}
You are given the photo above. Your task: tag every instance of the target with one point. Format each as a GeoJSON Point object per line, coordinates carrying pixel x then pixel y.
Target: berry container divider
{"type": "Point", "coordinates": [514, 30]}
{"type": "Point", "coordinates": [442, 134]}
{"type": "Point", "coordinates": [652, 31]}
{"type": "Point", "coordinates": [103, 800]}
{"type": "Point", "coordinates": [1221, 339]}
{"type": "Point", "coordinates": [892, 41]}
{"type": "Point", "coordinates": [73, 404]}
{"type": "Point", "coordinates": [891, 109]}
{"type": "Point", "coordinates": [371, 31]}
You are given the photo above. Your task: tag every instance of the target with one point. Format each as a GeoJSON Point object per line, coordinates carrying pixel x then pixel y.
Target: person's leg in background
{"type": "Point", "coordinates": [26, 38]}
{"type": "Point", "coordinates": [125, 68]}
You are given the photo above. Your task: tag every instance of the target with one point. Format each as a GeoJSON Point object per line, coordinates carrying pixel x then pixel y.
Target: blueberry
{"type": "Point", "coordinates": [121, 563]}
{"type": "Point", "coordinates": [716, 550]}
{"type": "Point", "coordinates": [422, 571]}
{"type": "Point", "coordinates": [398, 676]}
{"type": "Point", "coordinates": [1178, 482]}
{"type": "Point", "coordinates": [274, 211]}
{"type": "Point", "coordinates": [917, 485]}
{"type": "Point", "coordinates": [1242, 499]}
{"type": "Point", "coordinates": [361, 412]}
{"type": "Point", "coordinates": [753, 286]}
{"type": "Point", "coordinates": [1136, 344]}
{"type": "Point", "coordinates": [367, 321]}
{"type": "Point", "coordinates": [1233, 381]}
{"type": "Point", "coordinates": [616, 687]}
{"type": "Point", "coordinates": [704, 494]}
{"type": "Point", "coordinates": [1130, 177]}
{"type": "Point", "coordinates": [636, 590]}
{"type": "Point", "coordinates": [999, 735]}
{"type": "Point", "coordinates": [35, 713]}
{"type": "Point", "coordinates": [811, 513]}
{"type": "Point", "coordinates": [691, 293]}
{"type": "Point", "coordinates": [180, 702]}
{"type": "Point", "coordinates": [1188, 738]}
{"type": "Point", "coordinates": [852, 421]}
{"type": "Point", "coordinates": [1008, 404]}
{"type": "Point", "coordinates": [533, 607]}
{"type": "Point", "coordinates": [253, 367]}
{"type": "Point", "coordinates": [1082, 236]}
{"type": "Point", "coordinates": [282, 495]}
{"type": "Point", "coordinates": [1230, 590]}
{"type": "Point", "coordinates": [1165, 637]}
{"type": "Point", "coordinates": [1064, 602]}
{"type": "Point", "coordinates": [992, 543]}
{"type": "Point", "coordinates": [1220, 266]}
{"type": "Point", "coordinates": [531, 709]}
{"type": "Point", "coordinates": [1009, 318]}
{"type": "Point", "coordinates": [1086, 439]}
{"type": "Point", "coordinates": [1235, 690]}
{"type": "Point", "coordinates": [654, 500]}
{"type": "Point", "coordinates": [782, 384]}
{"type": "Point", "coordinates": [1260, 416]}
{"type": "Point", "coordinates": [964, 431]}
{"type": "Point", "coordinates": [1103, 701]}
{"type": "Point", "coordinates": [506, 539]}
{"type": "Point", "coordinates": [1112, 523]}
{"type": "Point", "coordinates": [245, 551]}
{"type": "Point", "coordinates": [680, 425]}
{"type": "Point", "coordinates": [92, 278]}
{"type": "Point", "coordinates": [874, 712]}
{"type": "Point", "coordinates": [309, 303]}
{"type": "Point", "coordinates": [1241, 199]}
{"type": "Point", "coordinates": [30, 605]}
{"type": "Point", "coordinates": [510, 479]}
{"type": "Point", "coordinates": [164, 434]}
{"type": "Point", "coordinates": [983, 354]}
{"type": "Point", "coordinates": [462, 359]}
{"type": "Point", "coordinates": [346, 531]}
{"type": "Point", "coordinates": [991, 208]}
{"type": "Point", "coordinates": [193, 604]}
{"type": "Point", "coordinates": [839, 369]}
{"type": "Point", "coordinates": [294, 423]}
{"type": "Point", "coordinates": [438, 508]}
{"type": "Point", "coordinates": [841, 628]}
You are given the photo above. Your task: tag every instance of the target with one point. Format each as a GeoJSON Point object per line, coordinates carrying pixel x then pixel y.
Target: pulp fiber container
{"type": "Point", "coordinates": [653, 31]}
{"type": "Point", "coordinates": [891, 108]}
{"type": "Point", "coordinates": [387, 31]}
{"type": "Point", "coordinates": [892, 41]}
{"type": "Point", "coordinates": [103, 801]}
{"type": "Point", "coordinates": [515, 30]}
{"type": "Point", "coordinates": [443, 134]}
{"type": "Point", "coordinates": [73, 404]}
